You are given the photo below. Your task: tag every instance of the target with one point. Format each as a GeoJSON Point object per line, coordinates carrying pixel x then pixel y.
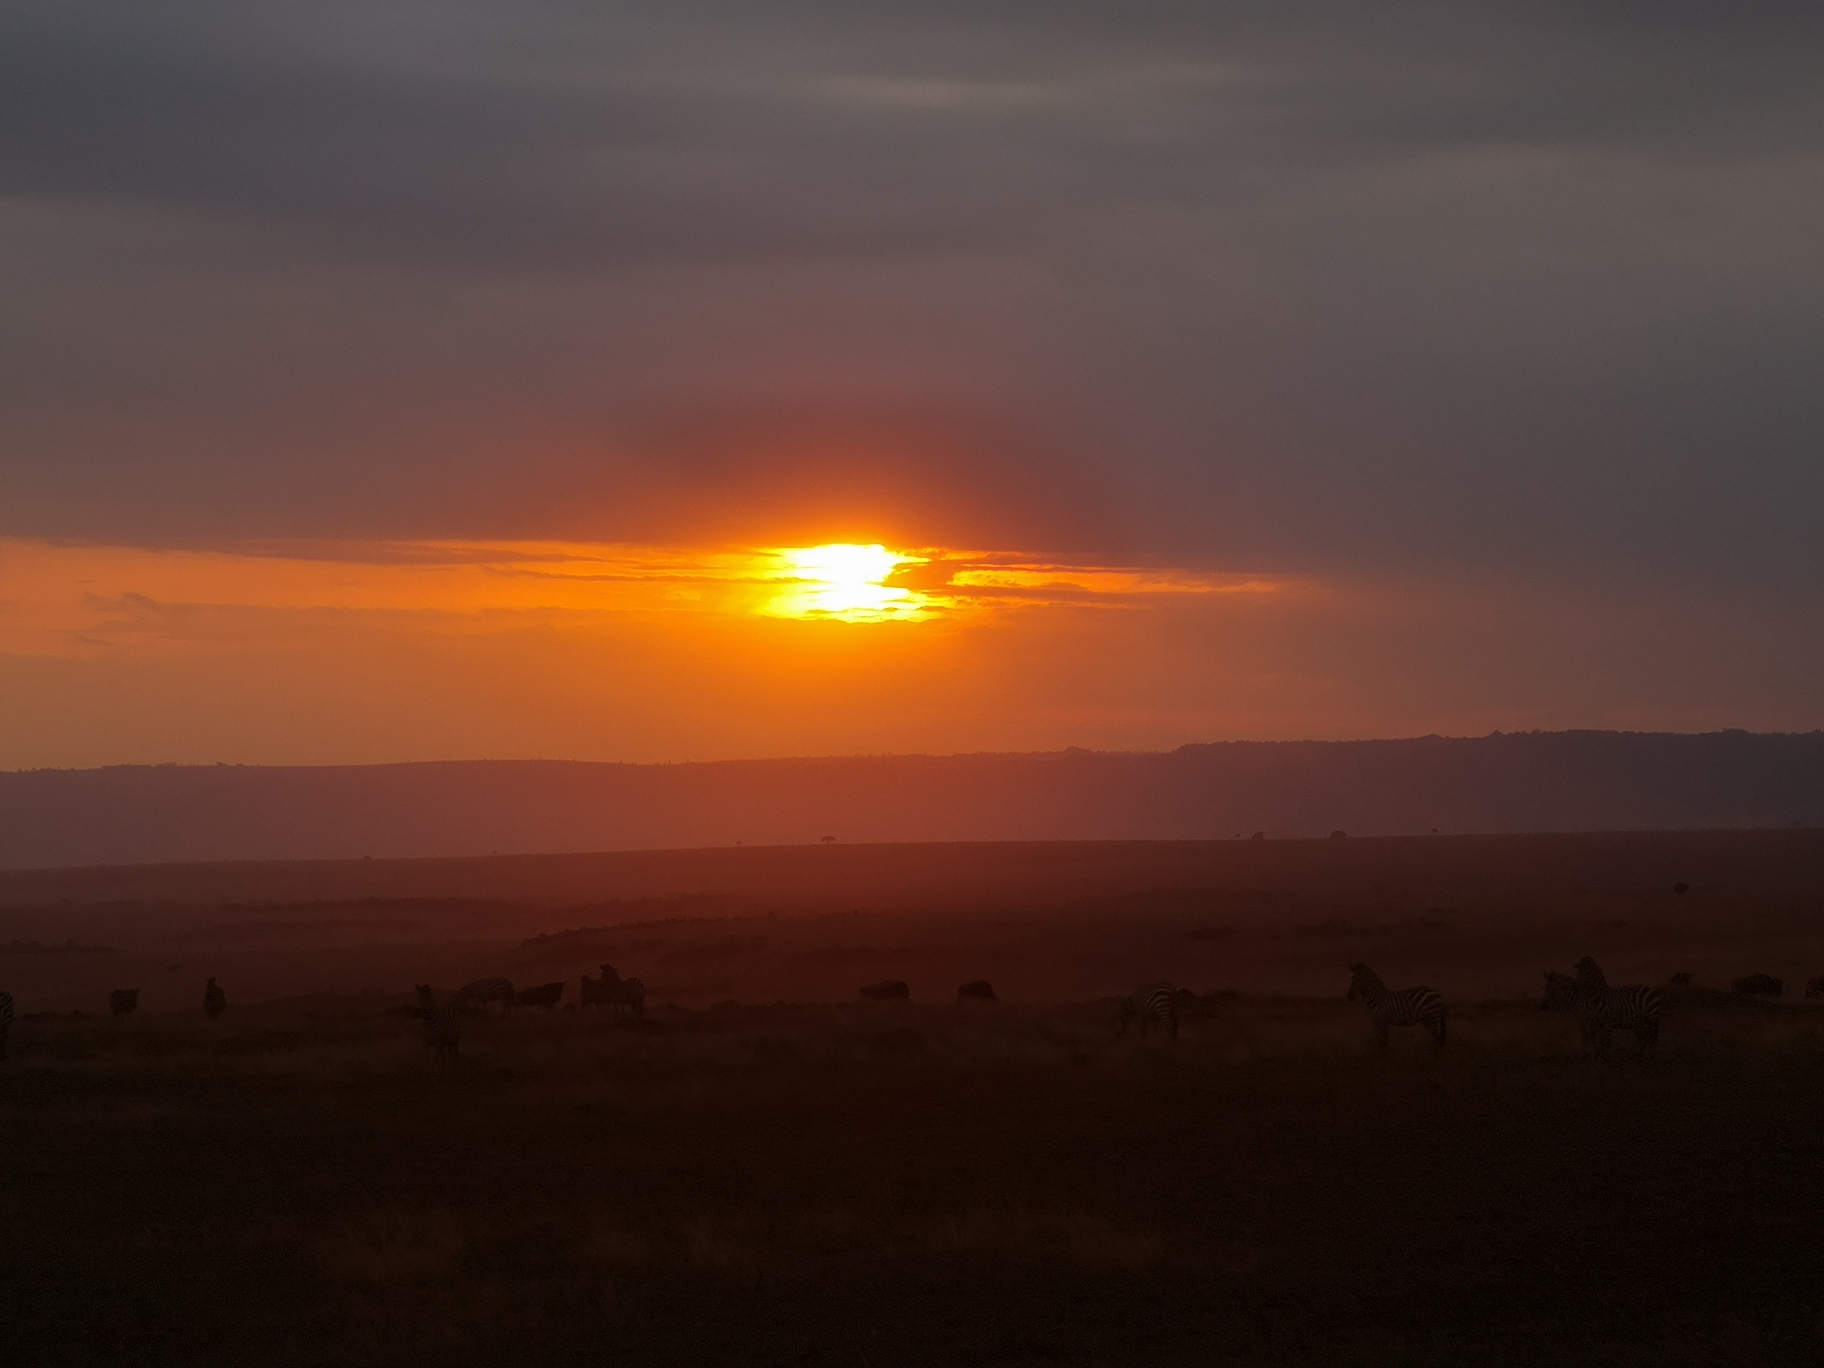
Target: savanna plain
{"type": "Point", "coordinates": [766, 1169]}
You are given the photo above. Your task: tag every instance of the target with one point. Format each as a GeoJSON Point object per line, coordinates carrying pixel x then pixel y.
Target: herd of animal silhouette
{"type": "Point", "coordinates": [1598, 1009]}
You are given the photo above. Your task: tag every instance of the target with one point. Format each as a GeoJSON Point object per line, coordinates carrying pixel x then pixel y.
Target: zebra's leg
{"type": "Point", "coordinates": [1171, 1023]}
{"type": "Point", "coordinates": [1380, 1031]}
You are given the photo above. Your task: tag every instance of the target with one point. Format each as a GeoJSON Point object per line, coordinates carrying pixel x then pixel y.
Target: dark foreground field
{"type": "Point", "coordinates": [873, 1186]}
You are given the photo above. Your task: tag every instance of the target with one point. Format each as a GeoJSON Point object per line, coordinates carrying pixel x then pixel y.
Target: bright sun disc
{"type": "Point", "coordinates": [845, 581]}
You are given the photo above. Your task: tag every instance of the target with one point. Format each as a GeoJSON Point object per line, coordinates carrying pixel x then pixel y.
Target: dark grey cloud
{"type": "Point", "coordinates": [1274, 285]}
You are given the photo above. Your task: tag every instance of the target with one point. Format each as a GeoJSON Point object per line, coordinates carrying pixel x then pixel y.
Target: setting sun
{"type": "Point", "coordinates": [846, 581]}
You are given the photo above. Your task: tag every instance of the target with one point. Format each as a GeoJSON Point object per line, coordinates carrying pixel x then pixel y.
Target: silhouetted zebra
{"type": "Point", "coordinates": [1149, 1003]}
{"type": "Point", "coordinates": [545, 995]}
{"type": "Point", "coordinates": [1601, 1010]}
{"type": "Point", "coordinates": [479, 994]}
{"type": "Point", "coordinates": [1419, 1006]}
{"type": "Point", "coordinates": [620, 992]}
{"type": "Point", "coordinates": [6, 1020]}
{"type": "Point", "coordinates": [441, 1027]}
{"type": "Point", "coordinates": [215, 1001]}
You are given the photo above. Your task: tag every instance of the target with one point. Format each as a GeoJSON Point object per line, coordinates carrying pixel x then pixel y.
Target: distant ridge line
{"type": "Point", "coordinates": [1503, 783]}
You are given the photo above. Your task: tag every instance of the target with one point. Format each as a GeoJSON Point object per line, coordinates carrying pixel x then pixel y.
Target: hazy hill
{"type": "Point", "coordinates": [1563, 781]}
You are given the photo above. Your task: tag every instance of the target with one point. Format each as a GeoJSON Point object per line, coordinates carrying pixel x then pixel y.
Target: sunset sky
{"type": "Point", "coordinates": [439, 380]}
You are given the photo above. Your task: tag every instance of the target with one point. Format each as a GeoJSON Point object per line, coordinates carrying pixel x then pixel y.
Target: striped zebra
{"type": "Point", "coordinates": [1419, 1006]}
{"type": "Point", "coordinates": [6, 1020]}
{"type": "Point", "coordinates": [476, 996]}
{"type": "Point", "coordinates": [1147, 1004]}
{"type": "Point", "coordinates": [614, 992]}
{"type": "Point", "coordinates": [1601, 1010]}
{"type": "Point", "coordinates": [440, 1026]}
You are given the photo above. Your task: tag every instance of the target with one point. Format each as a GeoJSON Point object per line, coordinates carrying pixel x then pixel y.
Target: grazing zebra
{"type": "Point", "coordinates": [6, 1020]}
{"type": "Point", "coordinates": [1409, 1007]}
{"type": "Point", "coordinates": [215, 1001]}
{"type": "Point", "coordinates": [477, 995]}
{"type": "Point", "coordinates": [1758, 985]}
{"type": "Point", "coordinates": [123, 1002]}
{"type": "Point", "coordinates": [1815, 988]}
{"type": "Point", "coordinates": [545, 995]}
{"type": "Point", "coordinates": [1147, 1004]}
{"type": "Point", "coordinates": [1600, 1010]}
{"type": "Point", "coordinates": [441, 1027]}
{"type": "Point", "coordinates": [614, 992]}
{"type": "Point", "coordinates": [980, 991]}
{"type": "Point", "coordinates": [890, 990]}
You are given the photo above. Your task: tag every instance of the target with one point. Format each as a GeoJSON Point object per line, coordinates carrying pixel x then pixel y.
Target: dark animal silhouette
{"type": "Point", "coordinates": [215, 1001]}
{"type": "Point", "coordinates": [1758, 985]}
{"type": "Point", "coordinates": [1418, 1006]}
{"type": "Point", "coordinates": [1815, 988]}
{"type": "Point", "coordinates": [440, 1027]}
{"type": "Point", "coordinates": [545, 995]}
{"type": "Point", "coordinates": [1681, 888]}
{"type": "Point", "coordinates": [1601, 1010]}
{"type": "Point", "coordinates": [6, 1020]}
{"type": "Point", "coordinates": [1590, 975]}
{"type": "Point", "coordinates": [1150, 1004]}
{"type": "Point", "coordinates": [979, 991]}
{"type": "Point", "coordinates": [1680, 980]}
{"type": "Point", "coordinates": [615, 993]}
{"type": "Point", "coordinates": [1339, 835]}
{"type": "Point", "coordinates": [123, 1002]}
{"type": "Point", "coordinates": [477, 996]}
{"type": "Point", "coordinates": [889, 990]}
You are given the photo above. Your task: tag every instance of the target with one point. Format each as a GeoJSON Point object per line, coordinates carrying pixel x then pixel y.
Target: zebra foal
{"type": "Point", "coordinates": [1601, 1010]}
{"type": "Point", "coordinates": [1148, 1004]}
{"type": "Point", "coordinates": [1419, 1006]}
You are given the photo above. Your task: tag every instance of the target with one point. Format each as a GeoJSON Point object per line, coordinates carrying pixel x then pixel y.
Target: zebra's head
{"type": "Point", "coordinates": [1589, 974]}
{"type": "Point", "coordinates": [1362, 981]}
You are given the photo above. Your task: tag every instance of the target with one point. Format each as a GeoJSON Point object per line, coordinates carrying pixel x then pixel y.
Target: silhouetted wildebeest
{"type": "Point", "coordinates": [889, 990]}
{"type": "Point", "coordinates": [441, 1027]}
{"type": "Point", "coordinates": [1681, 888]}
{"type": "Point", "coordinates": [545, 995]}
{"type": "Point", "coordinates": [475, 997]}
{"type": "Point", "coordinates": [979, 991]}
{"type": "Point", "coordinates": [215, 1001]}
{"type": "Point", "coordinates": [614, 992]}
{"type": "Point", "coordinates": [1758, 985]}
{"type": "Point", "coordinates": [123, 1002]}
{"type": "Point", "coordinates": [1815, 988]}
{"type": "Point", "coordinates": [1680, 980]}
